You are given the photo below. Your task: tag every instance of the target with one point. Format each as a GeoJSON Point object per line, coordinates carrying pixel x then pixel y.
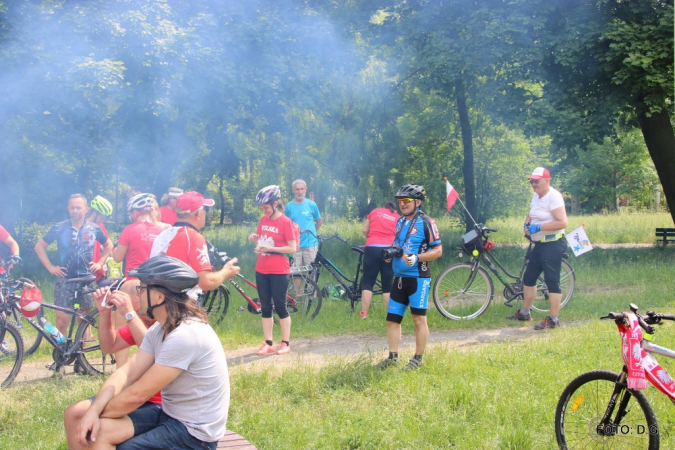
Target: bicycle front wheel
{"type": "Point", "coordinates": [567, 283]}
{"type": "Point", "coordinates": [462, 293]}
{"type": "Point", "coordinates": [31, 338]}
{"type": "Point", "coordinates": [303, 296]}
{"type": "Point", "coordinates": [92, 360]}
{"type": "Point", "coordinates": [216, 303]}
{"type": "Point", "coordinates": [582, 405]}
{"type": "Point", "coordinates": [11, 353]}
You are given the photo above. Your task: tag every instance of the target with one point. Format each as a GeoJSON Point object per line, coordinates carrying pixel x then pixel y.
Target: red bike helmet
{"type": "Point", "coordinates": [31, 299]}
{"type": "Point", "coordinates": [489, 245]}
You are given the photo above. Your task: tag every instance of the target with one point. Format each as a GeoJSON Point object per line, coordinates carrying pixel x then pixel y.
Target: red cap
{"type": "Point", "coordinates": [191, 202]}
{"type": "Point", "coordinates": [539, 173]}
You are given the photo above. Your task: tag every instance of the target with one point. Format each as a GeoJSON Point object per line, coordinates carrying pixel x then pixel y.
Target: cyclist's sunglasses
{"type": "Point", "coordinates": [405, 201]}
{"type": "Point", "coordinates": [534, 181]}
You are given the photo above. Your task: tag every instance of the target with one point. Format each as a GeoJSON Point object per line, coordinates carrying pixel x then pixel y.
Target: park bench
{"type": "Point", "coordinates": [232, 440]}
{"type": "Point", "coordinates": [665, 235]}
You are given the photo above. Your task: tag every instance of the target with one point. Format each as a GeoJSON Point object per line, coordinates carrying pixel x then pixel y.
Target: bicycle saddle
{"type": "Point", "coordinates": [84, 280]}
{"type": "Point", "coordinates": [359, 248]}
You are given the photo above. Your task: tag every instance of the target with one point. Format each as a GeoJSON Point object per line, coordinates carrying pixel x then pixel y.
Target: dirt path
{"type": "Point", "coordinates": [318, 350]}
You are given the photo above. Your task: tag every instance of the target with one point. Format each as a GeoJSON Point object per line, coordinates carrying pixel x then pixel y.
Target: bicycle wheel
{"type": "Point", "coordinates": [31, 338]}
{"type": "Point", "coordinates": [306, 297]}
{"type": "Point", "coordinates": [567, 283]}
{"type": "Point", "coordinates": [216, 303]}
{"type": "Point", "coordinates": [583, 404]}
{"type": "Point", "coordinates": [92, 360]}
{"type": "Point", "coordinates": [11, 353]}
{"type": "Point", "coordinates": [460, 293]}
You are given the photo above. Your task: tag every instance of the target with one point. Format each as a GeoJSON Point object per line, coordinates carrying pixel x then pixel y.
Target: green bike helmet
{"type": "Point", "coordinates": [102, 205]}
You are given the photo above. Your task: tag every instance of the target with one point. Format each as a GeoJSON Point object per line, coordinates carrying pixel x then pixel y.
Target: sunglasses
{"type": "Point", "coordinates": [114, 287]}
{"type": "Point", "coordinates": [405, 201]}
{"type": "Point", "coordinates": [534, 181]}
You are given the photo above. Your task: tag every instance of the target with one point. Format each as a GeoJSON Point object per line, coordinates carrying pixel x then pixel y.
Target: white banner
{"type": "Point", "coordinates": [579, 242]}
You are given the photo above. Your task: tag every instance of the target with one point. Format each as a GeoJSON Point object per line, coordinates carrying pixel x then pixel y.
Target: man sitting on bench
{"type": "Point", "coordinates": [180, 355]}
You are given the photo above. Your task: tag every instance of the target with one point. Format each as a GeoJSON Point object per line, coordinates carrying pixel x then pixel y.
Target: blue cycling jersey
{"type": "Point", "coordinates": [76, 246]}
{"type": "Point", "coordinates": [423, 235]}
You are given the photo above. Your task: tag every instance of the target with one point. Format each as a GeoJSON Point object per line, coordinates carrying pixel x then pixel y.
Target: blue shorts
{"type": "Point", "coordinates": [409, 291]}
{"type": "Point", "coordinates": [154, 429]}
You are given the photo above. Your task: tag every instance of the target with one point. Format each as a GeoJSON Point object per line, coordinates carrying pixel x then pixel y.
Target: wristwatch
{"type": "Point", "coordinates": [130, 315]}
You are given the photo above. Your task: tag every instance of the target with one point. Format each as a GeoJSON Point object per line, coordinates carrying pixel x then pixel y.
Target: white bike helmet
{"type": "Point", "coordinates": [140, 201]}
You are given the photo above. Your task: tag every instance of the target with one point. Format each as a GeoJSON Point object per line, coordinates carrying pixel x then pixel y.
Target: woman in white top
{"type": "Point", "coordinates": [545, 224]}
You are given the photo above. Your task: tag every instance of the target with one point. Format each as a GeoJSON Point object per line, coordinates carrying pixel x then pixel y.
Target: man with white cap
{"type": "Point", "coordinates": [184, 242]}
{"type": "Point", "coordinates": [168, 209]}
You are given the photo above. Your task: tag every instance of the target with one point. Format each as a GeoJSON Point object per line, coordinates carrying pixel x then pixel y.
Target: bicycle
{"type": "Point", "coordinates": [31, 338]}
{"type": "Point", "coordinates": [83, 348]}
{"type": "Point", "coordinates": [302, 294]}
{"type": "Point", "coordinates": [598, 409]}
{"type": "Point", "coordinates": [350, 286]}
{"type": "Point", "coordinates": [464, 290]}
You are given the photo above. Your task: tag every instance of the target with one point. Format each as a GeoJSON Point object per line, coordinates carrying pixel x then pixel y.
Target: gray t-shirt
{"type": "Point", "coordinates": [200, 396]}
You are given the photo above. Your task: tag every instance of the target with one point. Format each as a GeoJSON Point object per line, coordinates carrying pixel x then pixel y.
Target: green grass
{"type": "Point", "coordinates": [500, 395]}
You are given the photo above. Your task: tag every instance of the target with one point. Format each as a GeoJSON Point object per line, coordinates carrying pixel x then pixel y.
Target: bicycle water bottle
{"type": "Point", "coordinates": [51, 329]}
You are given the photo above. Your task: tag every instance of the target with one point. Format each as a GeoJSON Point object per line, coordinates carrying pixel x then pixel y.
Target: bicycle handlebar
{"type": "Point", "coordinates": [645, 323]}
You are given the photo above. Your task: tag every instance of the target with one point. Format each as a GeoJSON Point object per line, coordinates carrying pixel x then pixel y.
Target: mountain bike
{"type": "Point", "coordinates": [80, 346]}
{"type": "Point", "coordinates": [10, 287]}
{"type": "Point", "coordinates": [464, 290]}
{"type": "Point", "coordinates": [598, 409]}
{"type": "Point", "coordinates": [350, 286]}
{"type": "Point", "coordinates": [302, 295]}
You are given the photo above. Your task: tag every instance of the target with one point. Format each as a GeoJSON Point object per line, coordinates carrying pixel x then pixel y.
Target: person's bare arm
{"type": "Point", "coordinates": [13, 245]}
{"type": "Point", "coordinates": [209, 281]}
{"type": "Point", "coordinates": [317, 224]}
{"type": "Point", "coordinates": [120, 252]}
{"type": "Point", "coordinates": [366, 227]}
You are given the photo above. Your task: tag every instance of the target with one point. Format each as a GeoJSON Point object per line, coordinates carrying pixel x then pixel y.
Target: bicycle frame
{"type": "Point", "coordinates": [492, 263]}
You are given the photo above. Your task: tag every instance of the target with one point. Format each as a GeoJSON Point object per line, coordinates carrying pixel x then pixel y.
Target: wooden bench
{"type": "Point", "coordinates": [233, 440]}
{"type": "Point", "coordinates": [665, 235]}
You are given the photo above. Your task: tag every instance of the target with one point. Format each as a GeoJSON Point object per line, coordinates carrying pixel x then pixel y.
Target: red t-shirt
{"type": "Point", "coordinates": [138, 237]}
{"type": "Point", "coordinates": [274, 233]}
{"type": "Point", "coordinates": [190, 247]}
{"type": "Point", "coordinates": [125, 333]}
{"type": "Point", "coordinates": [382, 227]}
{"type": "Point", "coordinates": [167, 215]}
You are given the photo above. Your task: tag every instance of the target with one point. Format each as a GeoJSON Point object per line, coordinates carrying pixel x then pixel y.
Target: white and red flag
{"type": "Point", "coordinates": [452, 194]}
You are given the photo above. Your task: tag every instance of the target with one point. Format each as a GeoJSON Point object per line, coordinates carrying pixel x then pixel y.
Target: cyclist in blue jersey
{"type": "Point", "coordinates": [75, 239]}
{"type": "Point", "coordinates": [416, 243]}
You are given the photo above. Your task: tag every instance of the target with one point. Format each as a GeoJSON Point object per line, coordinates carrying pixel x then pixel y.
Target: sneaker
{"type": "Point", "coordinates": [547, 323]}
{"type": "Point", "coordinates": [388, 362]}
{"type": "Point", "coordinates": [284, 349]}
{"type": "Point", "coordinates": [413, 364]}
{"type": "Point", "coordinates": [4, 348]}
{"type": "Point", "coordinates": [518, 316]}
{"type": "Point", "coordinates": [265, 350]}
{"type": "Point", "coordinates": [363, 314]}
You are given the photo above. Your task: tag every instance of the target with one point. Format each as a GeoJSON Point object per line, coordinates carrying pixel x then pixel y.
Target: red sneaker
{"type": "Point", "coordinates": [284, 349]}
{"type": "Point", "coordinates": [265, 350]}
{"type": "Point", "coordinates": [363, 314]}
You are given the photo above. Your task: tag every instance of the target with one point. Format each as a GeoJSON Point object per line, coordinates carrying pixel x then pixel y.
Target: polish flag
{"type": "Point", "coordinates": [452, 194]}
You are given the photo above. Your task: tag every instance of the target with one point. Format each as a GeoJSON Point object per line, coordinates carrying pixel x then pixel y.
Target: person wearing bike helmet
{"type": "Point", "coordinates": [180, 355]}
{"type": "Point", "coordinates": [545, 226]}
{"type": "Point", "coordinates": [76, 239]}
{"type": "Point", "coordinates": [100, 210]}
{"type": "Point", "coordinates": [274, 237]}
{"type": "Point", "coordinates": [418, 242]}
{"type": "Point", "coordinates": [135, 242]}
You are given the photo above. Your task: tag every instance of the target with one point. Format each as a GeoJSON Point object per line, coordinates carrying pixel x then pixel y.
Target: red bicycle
{"type": "Point", "coordinates": [603, 409]}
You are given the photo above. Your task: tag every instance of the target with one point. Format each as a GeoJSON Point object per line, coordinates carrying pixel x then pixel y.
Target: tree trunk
{"type": "Point", "coordinates": [658, 133]}
{"type": "Point", "coordinates": [467, 143]}
{"type": "Point", "coordinates": [221, 196]}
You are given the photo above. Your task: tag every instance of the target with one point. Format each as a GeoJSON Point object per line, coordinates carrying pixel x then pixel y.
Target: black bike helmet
{"type": "Point", "coordinates": [268, 194]}
{"type": "Point", "coordinates": [168, 272]}
{"type": "Point", "coordinates": [412, 191]}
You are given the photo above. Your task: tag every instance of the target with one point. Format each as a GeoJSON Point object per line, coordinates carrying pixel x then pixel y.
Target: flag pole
{"type": "Point", "coordinates": [463, 206]}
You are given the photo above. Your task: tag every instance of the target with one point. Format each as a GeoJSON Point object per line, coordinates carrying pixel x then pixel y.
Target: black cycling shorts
{"type": "Point", "coordinates": [546, 257]}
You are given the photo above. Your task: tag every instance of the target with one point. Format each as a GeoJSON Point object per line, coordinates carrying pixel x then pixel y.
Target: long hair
{"type": "Point", "coordinates": [178, 308]}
